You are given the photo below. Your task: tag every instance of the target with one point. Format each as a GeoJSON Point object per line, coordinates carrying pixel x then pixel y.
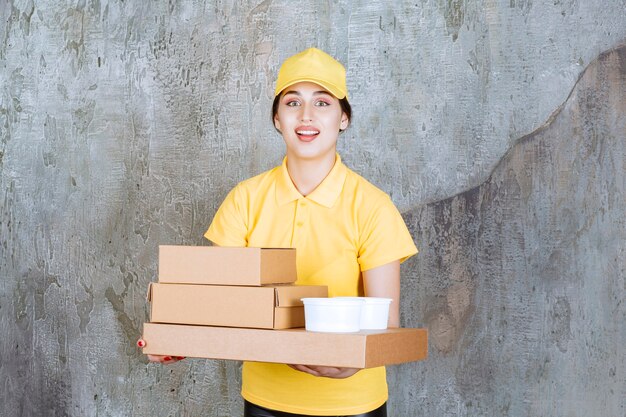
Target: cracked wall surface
{"type": "Point", "coordinates": [521, 279]}
{"type": "Point", "coordinates": [498, 128]}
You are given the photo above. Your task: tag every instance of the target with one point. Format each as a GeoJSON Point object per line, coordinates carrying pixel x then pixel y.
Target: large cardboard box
{"type": "Point", "coordinates": [215, 265]}
{"type": "Point", "coordinates": [267, 307]}
{"type": "Point", "coordinates": [365, 349]}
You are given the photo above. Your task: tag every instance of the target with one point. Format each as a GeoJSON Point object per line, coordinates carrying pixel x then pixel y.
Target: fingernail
{"type": "Point", "coordinates": [141, 343]}
{"type": "Point", "coordinates": [180, 357]}
{"type": "Point", "coordinates": [167, 358]}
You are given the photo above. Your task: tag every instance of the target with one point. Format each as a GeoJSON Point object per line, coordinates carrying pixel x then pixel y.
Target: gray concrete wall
{"type": "Point", "coordinates": [498, 128]}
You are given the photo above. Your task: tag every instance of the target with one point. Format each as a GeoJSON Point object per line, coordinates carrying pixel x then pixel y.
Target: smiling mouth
{"type": "Point", "coordinates": [307, 134]}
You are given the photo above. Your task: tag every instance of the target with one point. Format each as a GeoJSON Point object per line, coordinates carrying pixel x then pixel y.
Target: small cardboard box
{"type": "Point", "coordinates": [365, 349]}
{"type": "Point", "coordinates": [216, 265]}
{"type": "Point", "coordinates": [267, 307]}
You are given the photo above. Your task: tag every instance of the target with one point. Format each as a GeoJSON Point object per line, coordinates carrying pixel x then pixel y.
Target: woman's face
{"type": "Point", "coordinates": [309, 118]}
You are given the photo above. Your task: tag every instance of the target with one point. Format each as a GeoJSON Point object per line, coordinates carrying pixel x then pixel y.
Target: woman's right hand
{"type": "Point", "coordinates": [164, 359]}
{"type": "Point", "coordinates": [159, 358]}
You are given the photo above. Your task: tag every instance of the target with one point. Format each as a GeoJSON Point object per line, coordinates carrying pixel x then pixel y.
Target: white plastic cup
{"type": "Point", "coordinates": [333, 315]}
{"type": "Point", "coordinates": [375, 313]}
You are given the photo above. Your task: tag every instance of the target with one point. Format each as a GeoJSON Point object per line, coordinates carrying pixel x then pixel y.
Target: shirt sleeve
{"type": "Point", "coordinates": [229, 226]}
{"type": "Point", "coordinates": [384, 237]}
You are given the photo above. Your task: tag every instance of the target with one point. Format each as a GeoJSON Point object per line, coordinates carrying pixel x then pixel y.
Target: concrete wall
{"type": "Point", "coordinates": [498, 128]}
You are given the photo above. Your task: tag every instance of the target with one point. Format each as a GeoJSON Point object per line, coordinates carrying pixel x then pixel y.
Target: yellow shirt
{"type": "Point", "coordinates": [345, 226]}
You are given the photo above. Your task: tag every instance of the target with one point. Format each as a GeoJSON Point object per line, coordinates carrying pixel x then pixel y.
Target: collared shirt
{"type": "Point", "coordinates": [345, 226]}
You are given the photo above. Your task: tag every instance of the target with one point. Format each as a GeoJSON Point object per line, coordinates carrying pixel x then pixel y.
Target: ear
{"type": "Point", "coordinates": [344, 122]}
{"type": "Point", "coordinates": [277, 123]}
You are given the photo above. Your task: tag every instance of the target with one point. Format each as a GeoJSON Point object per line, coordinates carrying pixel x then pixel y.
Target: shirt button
{"type": "Point", "coordinates": [303, 203]}
{"type": "Point", "coordinates": [300, 224]}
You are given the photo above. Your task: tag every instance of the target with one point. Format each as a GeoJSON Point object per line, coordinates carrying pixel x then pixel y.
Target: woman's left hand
{"type": "Point", "coordinates": [326, 371]}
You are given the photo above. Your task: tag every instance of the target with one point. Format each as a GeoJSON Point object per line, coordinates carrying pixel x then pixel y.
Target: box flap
{"type": "Point", "coordinates": [291, 295]}
{"type": "Point", "coordinates": [288, 317]}
{"type": "Point", "coordinates": [149, 293]}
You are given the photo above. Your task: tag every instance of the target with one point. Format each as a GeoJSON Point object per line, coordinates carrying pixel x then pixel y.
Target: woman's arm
{"type": "Point", "coordinates": [384, 281]}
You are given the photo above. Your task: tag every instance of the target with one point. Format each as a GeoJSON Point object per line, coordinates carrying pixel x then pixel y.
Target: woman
{"type": "Point", "coordinates": [348, 235]}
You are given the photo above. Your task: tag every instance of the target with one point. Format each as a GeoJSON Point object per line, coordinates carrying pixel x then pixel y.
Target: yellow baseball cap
{"type": "Point", "coordinates": [316, 66]}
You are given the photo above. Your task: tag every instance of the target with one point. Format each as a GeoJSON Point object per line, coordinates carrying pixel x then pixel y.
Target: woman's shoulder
{"type": "Point", "coordinates": [364, 188]}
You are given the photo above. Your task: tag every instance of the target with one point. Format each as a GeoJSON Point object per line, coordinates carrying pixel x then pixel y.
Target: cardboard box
{"type": "Point", "coordinates": [267, 307]}
{"type": "Point", "coordinates": [365, 349]}
{"type": "Point", "coordinates": [215, 265]}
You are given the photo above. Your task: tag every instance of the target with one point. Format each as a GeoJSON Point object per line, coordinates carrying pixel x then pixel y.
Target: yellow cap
{"type": "Point", "coordinates": [316, 66]}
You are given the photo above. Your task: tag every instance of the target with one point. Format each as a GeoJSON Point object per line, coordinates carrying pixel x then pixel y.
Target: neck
{"type": "Point", "coordinates": [307, 174]}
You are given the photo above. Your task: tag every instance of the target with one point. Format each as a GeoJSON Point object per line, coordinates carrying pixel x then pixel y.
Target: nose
{"type": "Point", "coordinates": [306, 112]}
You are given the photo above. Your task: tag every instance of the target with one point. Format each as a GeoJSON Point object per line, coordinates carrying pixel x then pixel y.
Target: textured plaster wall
{"type": "Point", "coordinates": [498, 128]}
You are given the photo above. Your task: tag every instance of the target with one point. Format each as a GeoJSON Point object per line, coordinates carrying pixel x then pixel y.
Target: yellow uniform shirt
{"type": "Point", "coordinates": [345, 226]}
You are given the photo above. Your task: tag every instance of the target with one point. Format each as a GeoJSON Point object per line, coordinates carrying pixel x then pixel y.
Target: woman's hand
{"type": "Point", "coordinates": [325, 371]}
{"type": "Point", "coordinates": [164, 359]}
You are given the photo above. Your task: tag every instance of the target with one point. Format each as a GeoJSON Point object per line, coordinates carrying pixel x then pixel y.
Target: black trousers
{"type": "Point", "coordinates": [251, 410]}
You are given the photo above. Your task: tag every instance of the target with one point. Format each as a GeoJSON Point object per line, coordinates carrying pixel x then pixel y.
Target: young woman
{"type": "Point", "coordinates": [347, 233]}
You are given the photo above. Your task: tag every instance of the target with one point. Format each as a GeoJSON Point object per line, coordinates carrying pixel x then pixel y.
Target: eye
{"type": "Point", "coordinates": [292, 103]}
{"type": "Point", "coordinates": [322, 103]}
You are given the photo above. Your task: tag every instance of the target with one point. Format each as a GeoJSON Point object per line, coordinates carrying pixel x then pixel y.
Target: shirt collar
{"type": "Point", "coordinates": [326, 194]}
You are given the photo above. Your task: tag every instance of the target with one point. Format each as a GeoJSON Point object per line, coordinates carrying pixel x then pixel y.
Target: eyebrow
{"type": "Point", "coordinates": [315, 93]}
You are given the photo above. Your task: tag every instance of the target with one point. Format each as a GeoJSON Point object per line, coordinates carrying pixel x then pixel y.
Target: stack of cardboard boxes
{"type": "Point", "coordinates": [233, 287]}
{"type": "Point", "coordinates": [242, 304]}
